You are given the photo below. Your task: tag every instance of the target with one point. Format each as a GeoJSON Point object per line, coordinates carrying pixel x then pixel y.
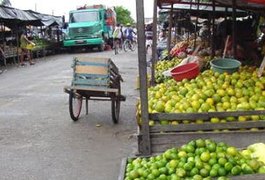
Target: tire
{"type": "Point", "coordinates": [115, 107]}
{"type": "Point", "coordinates": [133, 46]}
{"type": "Point", "coordinates": [101, 47]}
{"type": "Point", "coordinates": [119, 49]}
{"type": "Point", "coordinates": [126, 46]}
{"type": "Point", "coordinates": [75, 105]}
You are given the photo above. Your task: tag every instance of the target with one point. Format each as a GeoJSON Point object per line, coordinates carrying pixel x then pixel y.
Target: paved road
{"type": "Point", "coordinates": [38, 140]}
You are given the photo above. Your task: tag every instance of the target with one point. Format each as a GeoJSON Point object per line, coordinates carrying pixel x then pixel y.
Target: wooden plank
{"type": "Point", "coordinates": [92, 88]}
{"type": "Point", "coordinates": [206, 115]}
{"type": "Point", "coordinates": [83, 63]}
{"type": "Point", "coordinates": [249, 177]}
{"type": "Point", "coordinates": [91, 70]}
{"type": "Point", "coordinates": [122, 169]}
{"type": "Point", "coordinates": [207, 126]}
{"type": "Point", "coordinates": [92, 59]}
{"type": "Point", "coordinates": [91, 82]}
{"type": "Point", "coordinates": [163, 141]}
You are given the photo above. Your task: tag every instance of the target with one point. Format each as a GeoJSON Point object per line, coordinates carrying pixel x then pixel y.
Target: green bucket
{"type": "Point", "coordinates": [225, 65]}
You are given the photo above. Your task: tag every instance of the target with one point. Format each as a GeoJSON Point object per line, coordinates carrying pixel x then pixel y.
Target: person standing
{"type": "Point", "coordinates": [24, 41]}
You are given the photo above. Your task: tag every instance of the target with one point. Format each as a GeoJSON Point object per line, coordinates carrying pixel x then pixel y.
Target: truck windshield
{"type": "Point", "coordinates": [83, 16]}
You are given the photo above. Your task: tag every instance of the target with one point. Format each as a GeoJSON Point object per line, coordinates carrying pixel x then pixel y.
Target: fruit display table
{"type": "Point", "coordinates": [214, 105]}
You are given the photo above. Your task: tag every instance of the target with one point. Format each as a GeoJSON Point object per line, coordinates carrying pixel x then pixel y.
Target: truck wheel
{"type": "Point", "coordinates": [101, 47]}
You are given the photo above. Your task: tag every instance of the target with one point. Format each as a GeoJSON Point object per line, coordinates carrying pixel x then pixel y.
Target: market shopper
{"type": "Point", "coordinates": [117, 35]}
{"type": "Point", "coordinates": [129, 32]}
{"type": "Point", "coordinates": [24, 42]}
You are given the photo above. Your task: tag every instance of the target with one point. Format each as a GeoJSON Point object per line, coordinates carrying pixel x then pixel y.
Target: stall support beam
{"type": "Point", "coordinates": [234, 29]}
{"type": "Point", "coordinates": [144, 145]}
{"type": "Point", "coordinates": [213, 30]}
{"type": "Point", "coordinates": [154, 44]}
{"type": "Point", "coordinates": [170, 28]}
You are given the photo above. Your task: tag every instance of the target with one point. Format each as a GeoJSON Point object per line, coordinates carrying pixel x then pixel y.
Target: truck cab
{"type": "Point", "coordinates": [87, 27]}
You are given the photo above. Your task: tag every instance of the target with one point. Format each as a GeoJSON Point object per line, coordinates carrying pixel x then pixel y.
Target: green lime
{"type": "Point", "coordinates": [188, 166]}
{"type": "Point", "coordinates": [236, 170]}
{"type": "Point", "coordinates": [211, 147]}
{"type": "Point", "coordinates": [212, 161]}
{"type": "Point", "coordinates": [223, 178]}
{"type": "Point", "coordinates": [173, 163]}
{"type": "Point", "coordinates": [163, 170]}
{"type": "Point", "coordinates": [231, 151]}
{"type": "Point", "coordinates": [216, 166]}
{"type": "Point", "coordinates": [200, 143]}
{"type": "Point", "coordinates": [155, 172]}
{"type": "Point", "coordinates": [222, 161]}
{"type": "Point", "coordinates": [180, 172]}
{"type": "Point", "coordinates": [204, 172]}
{"type": "Point", "coordinates": [194, 171]}
{"type": "Point", "coordinates": [221, 171]}
{"type": "Point", "coordinates": [199, 164]}
{"type": "Point", "coordinates": [162, 177]}
{"type": "Point", "coordinates": [133, 174]}
{"type": "Point", "coordinates": [205, 156]}
{"type": "Point", "coordinates": [228, 166]}
{"type": "Point", "coordinates": [214, 173]}
{"type": "Point", "coordinates": [151, 177]}
{"type": "Point", "coordinates": [197, 177]}
{"type": "Point", "coordinates": [246, 169]}
{"type": "Point", "coordinates": [190, 148]}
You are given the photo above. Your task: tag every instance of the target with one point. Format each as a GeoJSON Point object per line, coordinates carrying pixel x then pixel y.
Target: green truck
{"type": "Point", "coordinates": [89, 26]}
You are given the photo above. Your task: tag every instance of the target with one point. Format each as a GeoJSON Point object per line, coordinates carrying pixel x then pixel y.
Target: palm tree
{"type": "Point", "coordinates": [5, 2]}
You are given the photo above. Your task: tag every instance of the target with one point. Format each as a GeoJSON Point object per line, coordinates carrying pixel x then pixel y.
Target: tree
{"type": "Point", "coordinates": [123, 15]}
{"type": "Point", "coordinates": [5, 3]}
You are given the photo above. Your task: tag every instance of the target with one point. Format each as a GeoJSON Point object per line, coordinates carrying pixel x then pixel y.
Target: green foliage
{"type": "Point", "coordinates": [123, 15]}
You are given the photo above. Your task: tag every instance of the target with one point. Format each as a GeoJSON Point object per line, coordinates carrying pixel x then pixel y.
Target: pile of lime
{"type": "Point", "coordinates": [211, 92]}
{"type": "Point", "coordinates": [162, 66]}
{"type": "Point", "coordinates": [199, 159]}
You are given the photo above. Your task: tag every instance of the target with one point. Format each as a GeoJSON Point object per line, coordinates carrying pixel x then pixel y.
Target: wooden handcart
{"type": "Point", "coordinates": [94, 79]}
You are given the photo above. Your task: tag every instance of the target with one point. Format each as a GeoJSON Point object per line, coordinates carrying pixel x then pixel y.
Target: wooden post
{"type": "Point", "coordinates": [170, 29]}
{"type": "Point", "coordinates": [144, 144]}
{"type": "Point", "coordinates": [213, 30]}
{"type": "Point", "coordinates": [196, 24]}
{"type": "Point", "coordinates": [234, 29]}
{"type": "Point", "coordinates": [154, 44]}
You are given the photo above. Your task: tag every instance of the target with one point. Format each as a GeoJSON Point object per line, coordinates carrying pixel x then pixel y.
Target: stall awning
{"type": "Point", "coordinates": [27, 17]}
{"type": "Point", "coordinates": [204, 10]}
{"type": "Point", "coordinates": [256, 5]}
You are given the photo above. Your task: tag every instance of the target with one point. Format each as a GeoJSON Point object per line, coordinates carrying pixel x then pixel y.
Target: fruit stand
{"type": "Point", "coordinates": [151, 138]}
{"type": "Point", "coordinates": [171, 114]}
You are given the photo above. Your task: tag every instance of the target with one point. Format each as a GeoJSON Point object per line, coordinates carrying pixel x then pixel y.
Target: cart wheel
{"type": "Point", "coordinates": [75, 105]}
{"type": "Point", "coordinates": [115, 106]}
{"type": "Point", "coordinates": [115, 110]}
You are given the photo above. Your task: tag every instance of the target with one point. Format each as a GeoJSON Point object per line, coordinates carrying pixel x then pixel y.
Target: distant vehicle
{"type": "Point", "coordinates": [90, 26]}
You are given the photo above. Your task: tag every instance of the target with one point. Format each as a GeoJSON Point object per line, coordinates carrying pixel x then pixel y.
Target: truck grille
{"type": "Point", "coordinates": [80, 32]}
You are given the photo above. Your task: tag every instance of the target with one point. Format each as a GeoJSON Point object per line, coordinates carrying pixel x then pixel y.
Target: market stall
{"type": "Point", "coordinates": [16, 20]}
{"type": "Point", "coordinates": [223, 105]}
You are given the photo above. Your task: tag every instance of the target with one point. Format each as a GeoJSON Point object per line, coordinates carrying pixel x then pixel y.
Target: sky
{"type": "Point", "coordinates": [62, 7]}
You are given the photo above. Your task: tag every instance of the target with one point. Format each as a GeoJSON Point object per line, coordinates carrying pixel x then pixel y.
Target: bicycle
{"type": "Point", "coordinates": [117, 46]}
{"type": "Point", "coordinates": [129, 44]}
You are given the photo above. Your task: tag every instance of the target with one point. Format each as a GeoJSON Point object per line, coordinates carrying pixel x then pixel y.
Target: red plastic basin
{"type": "Point", "coordinates": [186, 71]}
